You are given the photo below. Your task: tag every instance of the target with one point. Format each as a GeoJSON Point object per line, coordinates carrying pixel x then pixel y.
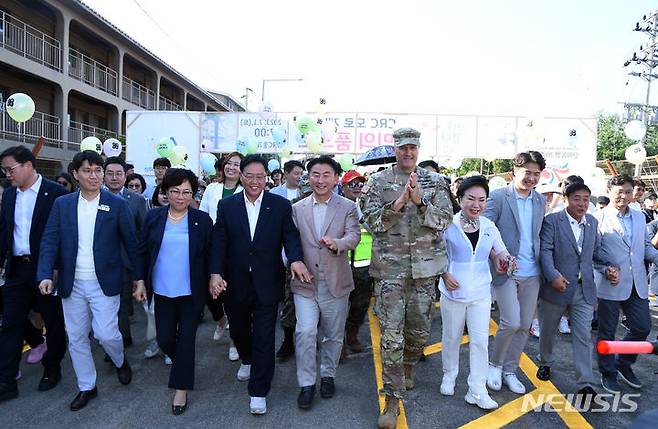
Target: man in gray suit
{"type": "Point", "coordinates": [569, 239]}
{"type": "Point", "coordinates": [115, 180]}
{"type": "Point", "coordinates": [518, 211]}
{"type": "Point", "coordinates": [625, 245]}
{"type": "Point", "coordinates": [292, 172]}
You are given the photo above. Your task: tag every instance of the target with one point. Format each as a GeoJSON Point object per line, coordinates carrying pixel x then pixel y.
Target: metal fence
{"type": "Point", "coordinates": [25, 40]}
{"type": "Point", "coordinates": [91, 72]}
{"type": "Point", "coordinates": [41, 124]}
{"type": "Point", "coordinates": [78, 131]}
{"type": "Point", "coordinates": [138, 94]}
{"type": "Point", "coordinates": [167, 104]}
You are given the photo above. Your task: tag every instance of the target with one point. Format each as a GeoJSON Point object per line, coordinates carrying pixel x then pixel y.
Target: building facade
{"type": "Point", "coordinates": [83, 74]}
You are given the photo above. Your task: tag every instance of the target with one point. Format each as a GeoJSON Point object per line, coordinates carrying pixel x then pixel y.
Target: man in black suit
{"type": "Point", "coordinates": [114, 180]}
{"type": "Point", "coordinates": [246, 261]}
{"type": "Point", "coordinates": [23, 216]}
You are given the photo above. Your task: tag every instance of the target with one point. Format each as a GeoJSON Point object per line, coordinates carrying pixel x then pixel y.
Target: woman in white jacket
{"type": "Point", "coordinates": [465, 290]}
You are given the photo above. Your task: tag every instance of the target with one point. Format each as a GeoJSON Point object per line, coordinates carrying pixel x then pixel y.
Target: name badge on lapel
{"type": "Point", "coordinates": [104, 207]}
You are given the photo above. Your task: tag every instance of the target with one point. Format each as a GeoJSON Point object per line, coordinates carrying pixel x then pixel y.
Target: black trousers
{"type": "Point", "coordinates": [176, 321]}
{"type": "Point", "coordinates": [18, 294]}
{"type": "Point", "coordinates": [638, 320]}
{"type": "Point", "coordinates": [252, 330]}
{"type": "Point", "coordinates": [126, 304]}
{"type": "Point", "coordinates": [216, 307]}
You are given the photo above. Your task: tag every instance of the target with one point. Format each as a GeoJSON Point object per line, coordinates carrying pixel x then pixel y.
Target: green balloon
{"type": "Point", "coordinates": [306, 124]}
{"type": "Point", "coordinates": [164, 147]}
{"type": "Point", "coordinates": [252, 146]}
{"type": "Point", "coordinates": [346, 162]}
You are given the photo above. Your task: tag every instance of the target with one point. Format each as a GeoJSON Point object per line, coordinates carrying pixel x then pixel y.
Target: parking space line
{"type": "Point", "coordinates": [375, 337]}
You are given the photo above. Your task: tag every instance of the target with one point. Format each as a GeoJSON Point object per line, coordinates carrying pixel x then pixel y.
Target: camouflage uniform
{"type": "Point", "coordinates": [408, 253]}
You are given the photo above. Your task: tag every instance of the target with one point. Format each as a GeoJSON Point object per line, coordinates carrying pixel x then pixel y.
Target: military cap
{"type": "Point", "coordinates": [405, 136]}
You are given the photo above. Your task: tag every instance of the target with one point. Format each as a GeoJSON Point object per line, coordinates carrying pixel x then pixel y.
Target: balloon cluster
{"type": "Point", "coordinates": [207, 161]}
{"type": "Point", "coordinates": [110, 147]}
{"type": "Point", "coordinates": [167, 148]}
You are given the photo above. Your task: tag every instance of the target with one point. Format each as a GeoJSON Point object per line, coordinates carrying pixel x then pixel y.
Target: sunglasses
{"type": "Point", "coordinates": [356, 185]}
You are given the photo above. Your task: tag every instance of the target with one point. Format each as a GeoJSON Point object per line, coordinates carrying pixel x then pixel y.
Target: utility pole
{"type": "Point", "coordinates": [647, 58]}
{"type": "Point", "coordinates": [246, 98]}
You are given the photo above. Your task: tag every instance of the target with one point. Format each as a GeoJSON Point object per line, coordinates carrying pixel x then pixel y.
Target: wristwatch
{"type": "Point", "coordinates": [424, 201]}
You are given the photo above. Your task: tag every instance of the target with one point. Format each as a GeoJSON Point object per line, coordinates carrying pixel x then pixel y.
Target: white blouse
{"type": "Point", "coordinates": [469, 266]}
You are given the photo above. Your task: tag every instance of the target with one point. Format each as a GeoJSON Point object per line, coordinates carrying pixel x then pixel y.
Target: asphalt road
{"type": "Point", "coordinates": [219, 400]}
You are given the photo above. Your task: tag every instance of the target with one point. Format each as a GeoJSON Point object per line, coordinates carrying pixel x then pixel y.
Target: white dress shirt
{"type": "Point", "coordinates": [23, 211]}
{"type": "Point", "coordinates": [253, 210]}
{"type": "Point", "coordinates": [291, 194]}
{"type": "Point", "coordinates": [576, 229]}
{"type": "Point", "coordinates": [84, 263]}
{"type": "Point", "coordinates": [319, 213]}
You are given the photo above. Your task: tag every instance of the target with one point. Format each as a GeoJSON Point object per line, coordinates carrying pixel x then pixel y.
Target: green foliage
{"type": "Point", "coordinates": [612, 142]}
{"type": "Point", "coordinates": [473, 164]}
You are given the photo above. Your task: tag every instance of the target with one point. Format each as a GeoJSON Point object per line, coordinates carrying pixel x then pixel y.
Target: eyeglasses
{"type": "Point", "coordinates": [134, 185]}
{"type": "Point", "coordinates": [160, 168]}
{"type": "Point", "coordinates": [115, 174]}
{"type": "Point", "coordinates": [356, 185]}
{"type": "Point", "coordinates": [178, 193]}
{"type": "Point", "coordinates": [88, 172]}
{"type": "Point", "coordinates": [233, 164]}
{"type": "Point", "coordinates": [254, 177]}
{"type": "Point", "coordinates": [63, 182]}
{"type": "Point", "coordinates": [10, 170]}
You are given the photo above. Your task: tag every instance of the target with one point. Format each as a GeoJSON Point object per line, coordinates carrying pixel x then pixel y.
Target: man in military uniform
{"type": "Point", "coordinates": [407, 209]}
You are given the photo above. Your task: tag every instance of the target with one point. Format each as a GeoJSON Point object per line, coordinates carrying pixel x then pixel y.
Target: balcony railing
{"type": "Point", "coordinates": [91, 72]}
{"type": "Point", "coordinates": [41, 124]}
{"type": "Point", "coordinates": [138, 94]}
{"type": "Point", "coordinates": [25, 40]}
{"type": "Point", "coordinates": [167, 104]}
{"type": "Point", "coordinates": [78, 131]}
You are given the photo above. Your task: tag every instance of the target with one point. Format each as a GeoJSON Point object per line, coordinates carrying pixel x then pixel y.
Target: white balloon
{"type": "Point", "coordinates": [91, 143]}
{"type": "Point", "coordinates": [266, 110]}
{"type": "Point", "coordinates": [489, 157]}
{"type": "Point", "coordinates": [112, 147]}
{"type": "Point", "coordinates": [635, 130]}
{"type": "Point", "coordinates": [636, 154]}
{"type": "Point", "coordinates": [455, 162]}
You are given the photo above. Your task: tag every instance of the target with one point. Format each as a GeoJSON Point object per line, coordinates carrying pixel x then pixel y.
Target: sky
{"type": "Point", "coordinates": [557, 58]}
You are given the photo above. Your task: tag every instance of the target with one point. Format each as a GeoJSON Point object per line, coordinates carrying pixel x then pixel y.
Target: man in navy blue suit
{"type": "Point", "coordinates": [246, 261]}
{"type": "Point", "coordinates": [83, 237]}
{"type": "Point", "coordinates": [23, 216]}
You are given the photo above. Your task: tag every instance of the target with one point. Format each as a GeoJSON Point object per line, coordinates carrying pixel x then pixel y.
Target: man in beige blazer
{"type": "Point", "coordinates": [328, 225]}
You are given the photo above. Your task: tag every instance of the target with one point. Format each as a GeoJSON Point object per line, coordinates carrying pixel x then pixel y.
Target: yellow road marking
{"type": "Point", "coordinates": [375, 336]}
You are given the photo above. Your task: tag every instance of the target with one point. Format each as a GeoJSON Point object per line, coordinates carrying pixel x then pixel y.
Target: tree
{"type": "Point", "coordinates": [612, 142]}
{"type": "Point", "coordinates": [473, 164]}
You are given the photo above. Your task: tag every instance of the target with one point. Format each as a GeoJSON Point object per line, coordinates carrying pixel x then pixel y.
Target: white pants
{"type": "Point", "coordinates": [332, 313]}
{"type": "Point", "coordinates": [476, 314]}
{"type": "Point", "coordinates": [88, 308]}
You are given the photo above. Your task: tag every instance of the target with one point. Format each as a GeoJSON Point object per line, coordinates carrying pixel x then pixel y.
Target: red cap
{"type": "Point", "coordinates": [351, 175]}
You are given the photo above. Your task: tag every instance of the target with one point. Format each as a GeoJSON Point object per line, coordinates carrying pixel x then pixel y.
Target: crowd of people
{"type": "Point", "coordinates": [315, 244]}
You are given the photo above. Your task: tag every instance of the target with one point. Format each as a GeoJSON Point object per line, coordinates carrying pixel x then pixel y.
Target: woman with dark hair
{"type": "Point", "coordinates": [229, 166]}
{"type": "Point", "coordinates": [159, 198]}
{"type": "Point", "coordinates": [66, 180]}
{"type": "Point", "coordinates": [465, 290]}
{"type": "Point", "coordinates": [173, 271]}
{"type": "Point", "coordinates": [136, 183]}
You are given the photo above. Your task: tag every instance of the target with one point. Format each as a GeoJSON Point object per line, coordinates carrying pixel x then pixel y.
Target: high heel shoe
{"type": "Point", "coordinates": [177, 410]}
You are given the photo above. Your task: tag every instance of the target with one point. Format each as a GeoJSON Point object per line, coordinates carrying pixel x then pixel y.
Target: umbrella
{"type": "Point", "coordinates": [378, 155]}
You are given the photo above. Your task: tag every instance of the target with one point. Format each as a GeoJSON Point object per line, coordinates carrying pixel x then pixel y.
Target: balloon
{"type": "Point", "coordinates": [285, 152]}
{"type": "Point", "coordinates": [314, 141]}
{"type": "Point", "coordinates": [306, 124]}
{"type": "Point", "coordinates": [207, 161]}
{"type": "Point", "coordinates": [164, 147]}
{"type": "Point", "coordinates": [455, 162]}
{"type": "Point", "coordinates": [598, 173]}
{"type": "Point", "coordinates": [346, 162]}
{"type": "Point", "coordinates": [328, 131]}
{"type": "Point", "coordinates": [252, 146]}
{"type": "Point", "coordinates": [635, 130]}
{"type": "Point", "coordinates": [272, 165]}
{"type": "Point", "coordinates": [635, 154]}
{"type": "Point", "coordinates": [112, 147]}
{"type": "Point", "coordinates": [20, 107]}
{"type": "Point", "coordinates": [497, 182]}
{"type": "Point", "coordinates": [266, 111]}
{"type": "Point", "coordinates": [489, 157]}
{"type": "Point", "coordinates": [472, 173]}
{"type": "Point", "coordinates": [241, 145]}
{"type": "Point", "coordinates": [279, 136]}
{"type": "Point", "coordinates": [91, 143]}
{"type": "Point", "coordinates": [179, 155]}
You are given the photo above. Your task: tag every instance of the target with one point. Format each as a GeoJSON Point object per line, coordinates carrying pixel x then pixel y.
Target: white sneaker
{"type": "Point", "coordinates": [513, 383]}
{"type": "Point", "coordinates": [564, 326]}
{"type": "Point", "coordinates": [244, 372]}
{"type": "Point", "coordinates": [233, 354]}
{"type": "Point", "coordinates": [534, 328]}
{"type": "Point", "coordinates": [494, 377]}
{"type": "Point", "coordinates": [447, 386]}
{"type": "Point", "coordinates": [257, 405]}
{"type": "Point", "coordinates": [168, 360]}
{"type": "Point", "coordinates": [219, 332]}
{"type": "Point", "coordinates": [152, 350]}
{"type": "Point", "coordinates": [483, 400]}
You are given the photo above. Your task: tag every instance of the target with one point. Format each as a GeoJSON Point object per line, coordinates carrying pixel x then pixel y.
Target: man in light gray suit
{"type": "Point", "coordinates": [569, 239]}
{"type": "Point", "coordinates": [518, 211]}
{"type": "Point", "coordinates": [114, 180]}
{"type": "Point", "coordinates": [625, 245]}
{"type": "Point", "coordinates": [292, 172]}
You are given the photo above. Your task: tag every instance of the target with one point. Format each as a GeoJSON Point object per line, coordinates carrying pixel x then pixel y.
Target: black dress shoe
{"type": "Point", "coordinates": [305, 398]}
{"type": "Point", "coordinates": [544, 373]}
{"type": "Point", "coordinates": [587, 391]}
{"type": "Point", "coordinates": [177, 410]}
{"type": "Point", "coordinates": [49, 381]}
{"type": "Point", "coordinates": [124, 373]}
{"type": "Point", "coordinates": [83, 399]}
{"type": "Point", "coordinates": [8, 391]}
{"type": "Point", "coordinates": [327, 388]}
{"type": "Point", "coordinates": [127, 341]}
